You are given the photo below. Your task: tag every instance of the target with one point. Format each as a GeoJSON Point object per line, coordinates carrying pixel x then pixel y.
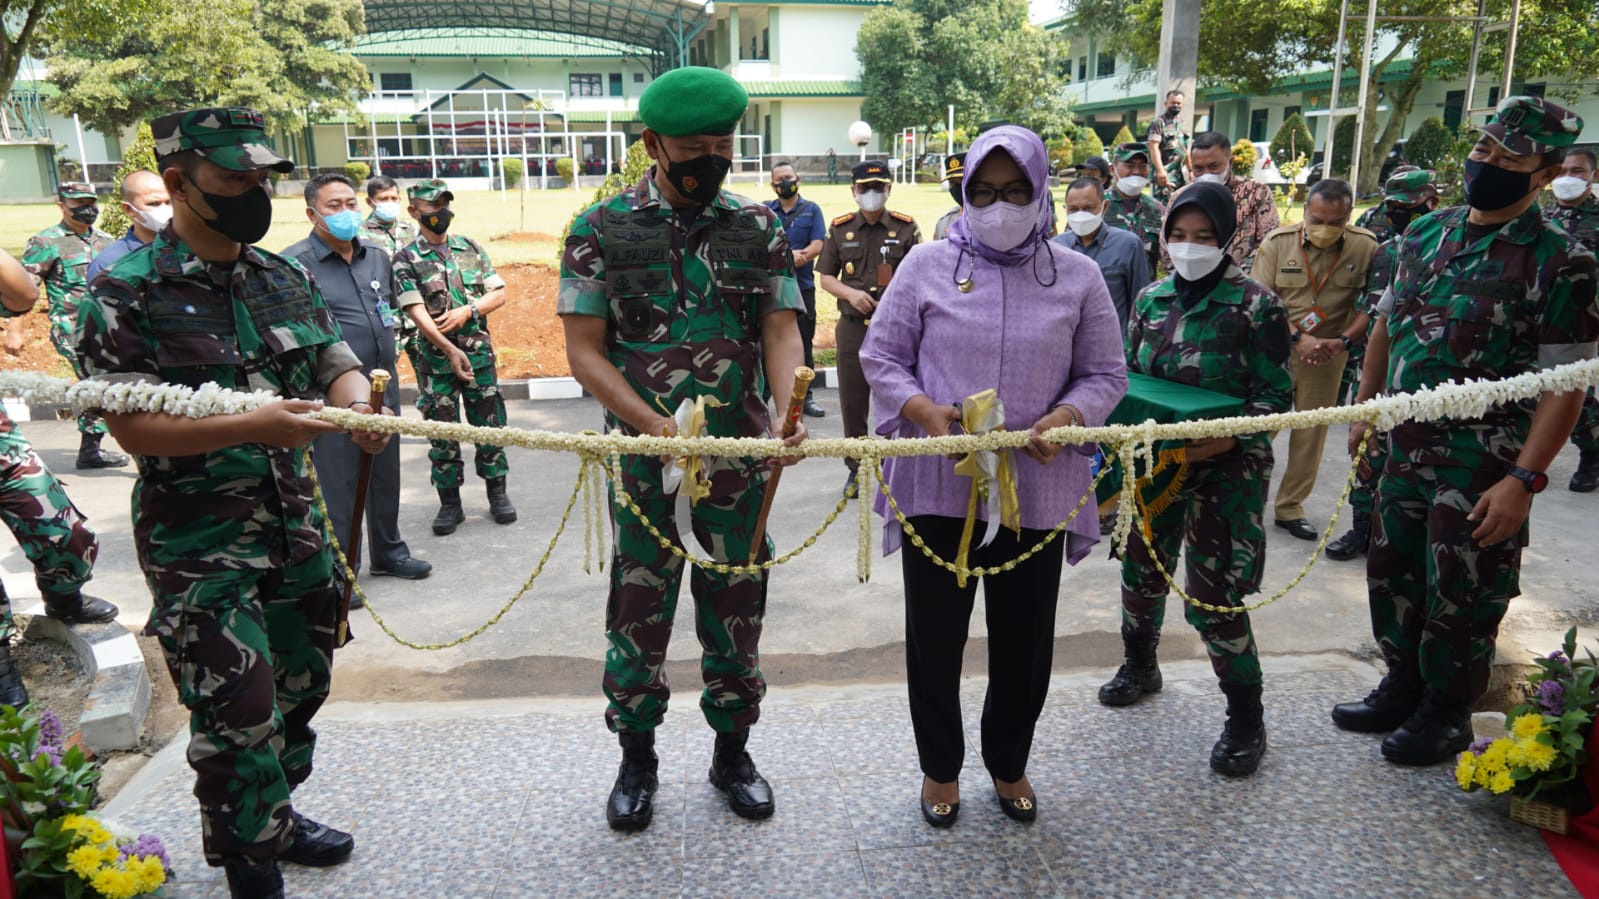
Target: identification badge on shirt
{"type": "Point", "coordinates": [1312, 319]}
{"type": "Point", "coordinates": [386, 314]}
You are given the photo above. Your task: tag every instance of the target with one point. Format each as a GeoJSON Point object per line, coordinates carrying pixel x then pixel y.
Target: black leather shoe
{"type": "Point", "coordinates": [410, 569]}
{"type": "Point", "coordinates": [1354, 542]}
{"type": "Point", "coordinates": [1435, 733]}
{"type": "Point", "coordinates": [1243, 739]}
{"type": "Point", "coordinates": [90, 455]}
{"type": "Point", "coordinates": [1586, 479]}
{"type": "Point", "coordinates": [317, 845]}
{"type": "Point", "coordinates": [1383, 709]}
{"type": "Point", "coordinates": [849, 487]}
{"type": "Point", "coordinates": [450, 513]}
{"type": "Point", "coordinates": [632, 802]}
{"type": "Point", "coordinates": [500, 508]}
{"type": "Point", "coordinates": [1022, 808]}
{"type": "Point", "coordinates": [253, 880]}
{"type": "Point", "coordinates": [1131, 683]}
{"type": "Point", "coordinates": [78, 608]}
{"type": "Point", "coordinates": [940, 814]}
{"type": "Point", "coordinates": [1299, 527]}
{"type": "Point", "coordinates": [814, 411]}
{"type": "Point", "coordinates": [12, 691]}
{"type": "Point", "coordinates": [733, 772]}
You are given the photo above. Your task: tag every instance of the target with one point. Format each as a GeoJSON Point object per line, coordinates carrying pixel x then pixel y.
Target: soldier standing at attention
{"type": "Point", "coordinates": [58, 256]}
{"type": "Point", "coordinates": [862, 251]}
{"type": "Point", "coordinates": [1168, 147]}
{"type": "Point", "coordinates": [1577, 210]}
{"type": "Point", "coordinates": [673, 290]}
{"type": "Point", "coordinates": [802, 220]}
{"type": "Point", "coordinates": [1128, 207]}
{"type": "Point", "coordinates": [1484, 291]}
{"type": "Point", "coordinates": [448, 287]}
{"type": "Point", "coordinates": [246, 602]}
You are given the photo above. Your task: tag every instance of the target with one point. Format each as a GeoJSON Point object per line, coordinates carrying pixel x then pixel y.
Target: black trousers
{"type": "Point", "coordinates": [807, 324]}
{"type": "Point", "coordinates": [1020, 607]}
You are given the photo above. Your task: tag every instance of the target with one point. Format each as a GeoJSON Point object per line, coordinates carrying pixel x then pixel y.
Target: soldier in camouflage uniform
{"type": "Point", "coordinates": [1485, 291]}
{"type": "Point", "coordinates": [1208, 326]}
{"type": "Point", "coordinates": [1576, 209]}
{"type": "Point", "coordinates": [1129, 207]}
{"type": "Point", "coordinates": [226, 526]}
{"type": "Point", "coordinates": [386, 228]}
{"type": "Point", "coordinates": [1168, 148]}
{"type": "Point", "coordinates": [675, 290]}
{"type": "Point", "coordinates": [448, 287]}
{"type": "Point", "coordinates": [58, 256]}
{"type": "Point", "coordinates": [1406, 196]}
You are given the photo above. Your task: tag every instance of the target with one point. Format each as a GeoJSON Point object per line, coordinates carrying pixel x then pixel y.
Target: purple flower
{"type": "Point", "coordinates": [50, 732]}
{"type": "Point", "coordinates": [1552, 696]}
{"type": "Point", "coordinates": [146, 845]}
{"type": "Point", "coordinates": [1480, 745]}
{"type": "Point", "coordinates": [1557, 656]}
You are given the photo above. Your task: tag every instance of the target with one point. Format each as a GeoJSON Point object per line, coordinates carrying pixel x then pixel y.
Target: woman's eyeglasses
{"type": "Point", "coordinates": [1015, 194]}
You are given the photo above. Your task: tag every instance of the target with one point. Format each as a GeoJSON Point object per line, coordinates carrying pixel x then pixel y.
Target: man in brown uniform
{"type": "Point", "coordinates": [1318, 267]}
{"type": "Point", "coordinates": [862, 252]}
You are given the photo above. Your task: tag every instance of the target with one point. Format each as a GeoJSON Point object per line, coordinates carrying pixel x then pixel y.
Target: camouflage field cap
{"type": "Point", "coordinates": [1409, 188]}
{"type": "Point", "coordinates": [232, 137]}
{"type": "Point", "coordinates": [955, 166]}
{"type": "Point", "coordinates": [1528, 125]}
{"type": "Point", "coordinates": [870, 172]}
{"type": "Point", "coordinates": [75, 190]}
{"type": "Point", "coordinates": [693, 100]}
{"type": "Point", "coordinates": [1128, 151]}
{"type": "Point", "coordinates": [432, 190]}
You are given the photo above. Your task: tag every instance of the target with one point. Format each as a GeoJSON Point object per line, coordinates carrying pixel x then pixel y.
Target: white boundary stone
{"type": "Point", "coordinates": [119, 692]}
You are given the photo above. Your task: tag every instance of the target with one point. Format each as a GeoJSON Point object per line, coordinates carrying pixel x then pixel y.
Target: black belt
{"type": "Point", "coordinates": [855, 317]}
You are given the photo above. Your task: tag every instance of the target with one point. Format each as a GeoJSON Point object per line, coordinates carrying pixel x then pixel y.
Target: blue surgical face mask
{"type": "Point", "coordinates": [386, 211]}
{"type": "Point", "coordinates": [343, 225]}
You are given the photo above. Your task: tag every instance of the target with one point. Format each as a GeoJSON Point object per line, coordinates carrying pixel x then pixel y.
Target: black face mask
{"type": "Point", "coordinates": [1491, 188]}
{"type": "Point", "coordinates": [87, 215]}
{"type": "Point", "coordinates": [245, 218]}
{"type": "Point", "coordinates": [438, 221]}
{"type": "Point", "coordinates": [955, 191]}
{"type": "Point", "coordinates": [1401, 216]}
{"type": "Point", "coordinates": [786, 190]}
{"type": "Point", "coordinates": [1173, 111]}
{"type": "Point", "coordinates": [700, 178]}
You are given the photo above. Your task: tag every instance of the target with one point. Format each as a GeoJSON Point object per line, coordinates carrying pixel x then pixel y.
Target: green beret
{"type": "Point", "coordinates": [693, 100]}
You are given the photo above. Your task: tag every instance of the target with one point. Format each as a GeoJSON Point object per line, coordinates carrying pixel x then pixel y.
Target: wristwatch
{"type": "Point", "coordinates": [1294, 337]}
{"type": "Point", "coordinates": [1348, 344]}
{"type": "Point", "coordinates": [1534, 481]}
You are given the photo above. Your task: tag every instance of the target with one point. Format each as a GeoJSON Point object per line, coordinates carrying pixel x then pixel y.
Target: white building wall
{"type": "Point", "coordinates": [810, 127]}
{"type": "Point", "coordinates": [816, 43]}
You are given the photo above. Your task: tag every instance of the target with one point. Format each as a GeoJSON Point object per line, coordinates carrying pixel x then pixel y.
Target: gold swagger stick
{"type": "Point", "coordinates": [363, 478]}
{"type": "Point", "coordinates": [803, 377]}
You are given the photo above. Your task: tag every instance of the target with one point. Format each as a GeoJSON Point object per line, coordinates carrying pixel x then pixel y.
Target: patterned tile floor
{"type": "Point", "coordinates": [507, 800]}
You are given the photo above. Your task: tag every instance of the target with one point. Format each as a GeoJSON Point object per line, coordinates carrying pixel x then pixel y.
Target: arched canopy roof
{"type": "Point", "coordinates": [660, 28]}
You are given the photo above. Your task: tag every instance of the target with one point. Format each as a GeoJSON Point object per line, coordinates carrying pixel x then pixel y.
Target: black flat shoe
{"type": "Point", "coordinates": [1299, 527]}
{"type": "Point", "coordinates": [1023, 808]}
{"type": "Point", "coordinates": [940, 814]}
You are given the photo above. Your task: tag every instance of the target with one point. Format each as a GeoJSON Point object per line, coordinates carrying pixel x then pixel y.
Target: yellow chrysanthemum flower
{"type": "Point", "coordinates": [1501, 782]}
{"type": "Point", "coordinates": [1464, 768]}
{"type": "Point", "coordinates": [1497, 753]}
{"type": "Point", "coordinates": [1525, 727]}
{"type": "Point", "coordinates": [1538, 755]}
{"type": "Point", "coordinates": [74, 822]}
{"type": "Point", "coordinates": [115, 883]}
{"type": "Point", "coordinates": [84, 861]}
{"type": "Point", "coordinates": [149, 872]}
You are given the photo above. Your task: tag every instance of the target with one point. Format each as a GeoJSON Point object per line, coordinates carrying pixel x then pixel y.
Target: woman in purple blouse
{"type": "Point", "coordinates": [999, 306]}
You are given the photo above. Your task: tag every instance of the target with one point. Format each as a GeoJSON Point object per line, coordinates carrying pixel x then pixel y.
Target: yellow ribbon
{"type": "Point", "coordinates": [993, 476]}
{"type": "Point", "coordinates": [690, 419]}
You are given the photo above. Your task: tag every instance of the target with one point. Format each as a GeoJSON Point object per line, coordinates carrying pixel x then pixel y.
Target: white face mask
{"type": "Point", "coordinates": [155, 218]}
{"type": "Point", "coordinates": [871, 200]}
{"type": "Point", "coordinates": [1212, 177]}
{"type": "Point", "coordinates": [1132, 185]}
{"type": "Point", "coordinates": [387, 211]}
{"type": "Point", "coordinates": [1084, 223]}
{"type": "Point", "coordinates": [1194, 260]}
{"type": "Point", "coordinates": [1002, 226]}
{"type": "Point", "coordinates": [1568, 188]}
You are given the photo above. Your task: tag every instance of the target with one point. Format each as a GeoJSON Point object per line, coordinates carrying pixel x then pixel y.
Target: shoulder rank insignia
{"type": "Point", "coordinates": [843, 218]}
{"type": "Point", "coordinates": [901, 216]}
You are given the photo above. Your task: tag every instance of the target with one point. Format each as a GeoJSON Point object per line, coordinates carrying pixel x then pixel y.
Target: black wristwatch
{"type": "Point", "coordinates": [1534, 481]}
{"type": "Point", "coordinates": [1348, 344]}
{"type": "Point", "coordinates": [1294, 337]}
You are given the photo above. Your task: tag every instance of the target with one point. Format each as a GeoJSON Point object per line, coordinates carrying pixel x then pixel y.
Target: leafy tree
{"type": "Point", "coordinates": [918, 57]}
{"type": "Point", "coordinates": [1124, 136]}
{"type": "Point", "coordinates": [31, 24]}
{"type": "Point", "coordinates": [1087, 144]}
{"type": "Point", "coordinates": [1061, 151]}
{"type": "Point", "coordinates": [1291, 140]}
{"type": "Point", "coordinates": [635, 165]}
{"type": "Point", "coordinates": [1244, 157]}
{"type": "Point", "coordinates": [1343, 145]}
{"type": "Point", "coordinates": [287, 59]}
{"type": "Point", "coordinates": [139, 155]}
{"type": "Point", "coordinates": [1429, 143]}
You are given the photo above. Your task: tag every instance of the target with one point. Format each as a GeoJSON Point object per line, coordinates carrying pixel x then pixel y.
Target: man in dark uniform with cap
{"type": "Point", "coordinates": [1485, 291]}
{"type": "Point", "coordinates": [677, 293]}
{"type": "Point", "coordinates": [246, 601]}
{"type": "Point", "coordinates": [954, 177]}
{"type": "Point", "coordinates": [862, 252]}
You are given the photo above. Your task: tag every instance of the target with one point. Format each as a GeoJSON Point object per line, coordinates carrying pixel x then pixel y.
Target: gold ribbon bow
{"type": "Point", "coordinates": [690, 419]}
{"type": "Point", "coordinates": [993, 475]}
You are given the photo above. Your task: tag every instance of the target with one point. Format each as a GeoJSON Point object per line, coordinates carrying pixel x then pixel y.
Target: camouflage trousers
{"type": "Point", "coordinates": [1586, 434]}
{"type": "Point", "coordinates": [1436, 596]}
{"type": "Point", "coordinates": [1364, 493]}
{"type": "Point", "coordinates": [1218, 518]}
{"type": "Point", "coordinates": [728, 608]}
{"type": "Point", "coordinates": [440, 397]}
{"type": "Point", "coordinates": [251, 653]}
{"type": "Point", "coordinates": [89, 422]}
{"type": "Point", "coordinates": [52, 532]}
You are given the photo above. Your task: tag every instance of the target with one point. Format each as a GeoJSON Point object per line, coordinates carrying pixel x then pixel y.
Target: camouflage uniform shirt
{"type": "Point", "coordinates": [163, 315]}
{"type": "Point", "coordinates": [1489, 305]}
{"type": "Point", "coordinates": [1173, 141]}
{"type": "Point", "coordinates": [58, 256]}
{"type": "Point", "coordinates": [1580, 221]}
{"type": "Point", "coordinates": [1141, 215]}
{"type": "Point", "coordinates": [391, 236]}
{"type": "Point", "coordinates": [445, 280]}
{"type": "Point", "coordinates": [1376, 221]}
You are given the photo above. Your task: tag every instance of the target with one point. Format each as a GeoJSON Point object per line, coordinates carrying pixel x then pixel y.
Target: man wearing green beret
{"type": "Point", "coordinates": [448, 287]}
{"type": "Point", "coordinates": [59, 256]}
{"type": "Point", "coordinates": [232, 544]}
{"type": "Point", "coordinates": [676, 290]}
{"type": "Point", "coordinates": [1485, 291]}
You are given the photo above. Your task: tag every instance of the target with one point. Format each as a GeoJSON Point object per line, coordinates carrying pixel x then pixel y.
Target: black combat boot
{"type": "Point", "coordinates": [1243, 739]}
{"type": "Point", "coordinates": [254, 880]}
{"type": "Point", "coordinates": [1354, 542]}
{"type": "Point", "coordinates": [450, 512]}
{"type": "Point", "coordinates": [90, 455]}
{"type": "Point", "coordinates": [1586, 480]}
{"type": "Point", "coordinates": [1138, 675]}
{"type": "Point", "coordinates": [12, 691]}
{"type": "Point", "coordinates": [500, 507]}
{"type": "Point", "coordinates": [77, 608]}
{"type": "Point", "coordinates": [317, 845]}
{"type": "Point", "coordinates": [1437, 732]}
{"type": "Point", "coordinates": [631, 805]}
{"type": "Point", "coordinates": [733, 772]}
{"type": "Point", "coordinates": [1383, 709]}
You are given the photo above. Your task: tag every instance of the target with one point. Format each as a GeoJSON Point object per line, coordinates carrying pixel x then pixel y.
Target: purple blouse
{"type": "Point", "coordinates": [1039, 347]}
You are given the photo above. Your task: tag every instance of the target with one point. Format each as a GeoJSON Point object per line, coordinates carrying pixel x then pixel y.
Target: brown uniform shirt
{"type": "Point", "coordinates": [854, 248]}
{"type": "Point", "coordinates": [1329, 282]}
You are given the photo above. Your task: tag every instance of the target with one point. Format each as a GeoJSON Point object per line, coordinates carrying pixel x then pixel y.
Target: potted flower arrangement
{"type": "Point", "coordinates": [1540, 761]}
{"type": "Point", "coordinates": [53, 845]}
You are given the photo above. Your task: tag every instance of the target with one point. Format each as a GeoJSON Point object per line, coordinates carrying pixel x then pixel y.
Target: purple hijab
{"type": "Point", "coordinates": [1027, 149]}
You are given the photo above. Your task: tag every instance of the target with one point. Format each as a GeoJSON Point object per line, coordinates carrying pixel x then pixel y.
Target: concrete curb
{"type": "Point", "coordinates": [119, 696]}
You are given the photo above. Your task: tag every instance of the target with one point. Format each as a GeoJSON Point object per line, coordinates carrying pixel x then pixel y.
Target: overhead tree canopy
{"type": "Point", "coordinates": [25, 24]}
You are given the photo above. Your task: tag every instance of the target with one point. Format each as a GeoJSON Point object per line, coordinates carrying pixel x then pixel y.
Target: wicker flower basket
{"type": "Point", "coordinates": [1540, 814]}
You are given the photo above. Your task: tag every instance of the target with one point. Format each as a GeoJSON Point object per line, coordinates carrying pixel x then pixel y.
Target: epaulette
{"type": "Point", "coordinates": [843, 218]}
{"type": "Point", "coordinates": [901, 216]}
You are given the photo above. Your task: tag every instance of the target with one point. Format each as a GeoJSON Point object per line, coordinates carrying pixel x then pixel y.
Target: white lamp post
{"type": "Point", "coordinates": [860, 134]}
